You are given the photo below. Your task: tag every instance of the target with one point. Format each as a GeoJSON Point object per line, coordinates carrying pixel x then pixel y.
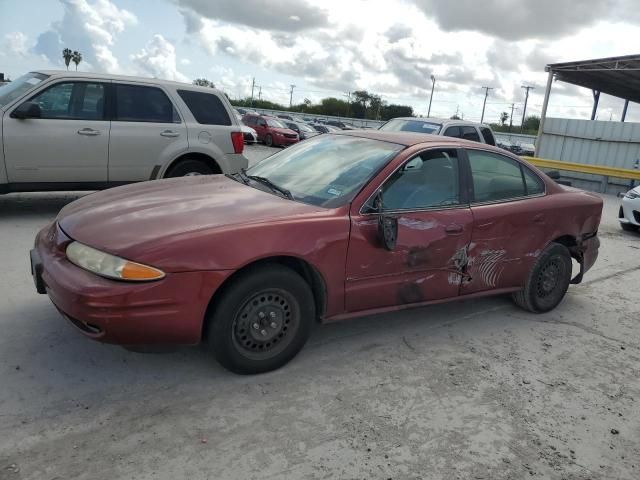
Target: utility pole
{"type": "Point", "coordinates": [433, 86]}
{"type": "Point", "coordinates": [291, 96]}
{"type": "Point", "coordinates": [348, 95]}
{"type": "Point", "coordinates": [513, 105]}
{"type": "Point", "coordinates": [486, 94]}
{"type": "Point", "coordinates": [260, 92]}
{"type": "Point", "coordinates": [524, 110]}
{"type": "Point", "coordinates": [253, 84]}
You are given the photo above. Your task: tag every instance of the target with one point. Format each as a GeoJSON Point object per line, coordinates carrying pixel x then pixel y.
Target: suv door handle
{"type": "Point", "coordinates": [169, 133]}
{"type": "Point", "coordinates": [88, 131]}
{"type": "Point", "coordinates": [453, 229]}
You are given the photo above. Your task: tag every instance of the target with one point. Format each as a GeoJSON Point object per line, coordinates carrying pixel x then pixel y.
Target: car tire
{"type": "Point", "coordinates": [547, 282]}
{"type": "Point", "coordinates": [268, 140]}
{"type": "Point", "coordinates": [262, 320]}
{"type": "Point", "coordinates": [628, 227]}
{"type": "Point", "coordinates": [189, 167]}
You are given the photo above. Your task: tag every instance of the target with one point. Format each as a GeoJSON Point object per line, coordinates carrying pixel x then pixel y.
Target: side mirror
{"type": "Point", "coordinates": [387, 226]}
{"type": "Point", "coordinates": [27, 110]}
{"type": "Point", "coordinates": [555, 174]}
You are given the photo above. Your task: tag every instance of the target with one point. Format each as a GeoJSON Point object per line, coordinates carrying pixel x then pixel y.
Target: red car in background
{"type": "Point", "coordinates": [341, 225]}
{"type": "Point", "coordinates": [271, 130]}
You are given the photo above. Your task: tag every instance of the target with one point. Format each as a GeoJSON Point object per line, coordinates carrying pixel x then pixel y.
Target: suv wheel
{"type": "Point", "coordinates": [189, 167]}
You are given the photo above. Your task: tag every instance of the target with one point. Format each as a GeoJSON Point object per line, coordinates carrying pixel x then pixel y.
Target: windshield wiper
{"type": "Point", "coordinates": [271, 185]}
{"type": "Point", "coordinates": [238, 176]}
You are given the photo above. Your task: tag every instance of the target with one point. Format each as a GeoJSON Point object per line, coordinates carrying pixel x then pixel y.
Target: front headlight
{"type": "Point", "coordinates": [631, 194]}
{"type": "Point", "coordinates": [110, 266]}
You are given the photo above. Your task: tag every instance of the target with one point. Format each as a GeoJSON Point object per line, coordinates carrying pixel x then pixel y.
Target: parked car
{"type": "Point", "coordinates": [477, 132]}
{"type": "Point", "coordinates": [88, 131]}
{"type": "Point", "coordinates": [339, 226]}
{"type": "Point", "coordinates": [249, 134]}
{"type": "Point", "coordinates": [340, 125]}
{"type": "Point", "coordinates": [271, 130]}
{"type": "Point", "coordinates": [629, 213]}
{"type": "Point", "coordinates": [319, 127]}
{"type": "Point", "coordinates": [303, 130]}
{"type": "Point", "coordinates": [246, 111]}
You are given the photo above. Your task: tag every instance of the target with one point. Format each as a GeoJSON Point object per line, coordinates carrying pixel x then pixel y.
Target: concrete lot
{"type": "Point", "coordinates": [476, 389]}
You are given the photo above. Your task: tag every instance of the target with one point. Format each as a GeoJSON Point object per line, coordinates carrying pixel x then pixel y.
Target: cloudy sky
{"type": "Point", "coordinates": [331, 47]}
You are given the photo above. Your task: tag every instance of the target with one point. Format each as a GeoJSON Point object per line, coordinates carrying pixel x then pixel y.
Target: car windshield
{"type": "Point", "coordinates": [305, 128]}
{"type": "Point", "coordinates": [272, 122]}
{"type": "Point", "coordinates": [20, 86]}
{"type": "Point", "coordinates": [399, 125]}
{"type": "Point", "coordinates": [327, 170]}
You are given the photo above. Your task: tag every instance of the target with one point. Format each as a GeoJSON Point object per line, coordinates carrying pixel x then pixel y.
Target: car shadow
{"type": "Point", "coordinates": [25, 205]}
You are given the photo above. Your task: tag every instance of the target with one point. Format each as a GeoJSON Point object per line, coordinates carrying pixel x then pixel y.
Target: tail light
{"type": "Point", "coordinates": [238, 142]}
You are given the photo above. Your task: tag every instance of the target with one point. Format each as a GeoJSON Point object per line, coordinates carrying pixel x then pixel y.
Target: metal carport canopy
{"type": "Point", "coordinates": [616, 76]}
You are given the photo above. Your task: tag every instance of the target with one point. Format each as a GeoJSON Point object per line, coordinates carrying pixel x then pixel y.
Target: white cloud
{"type": "Point", "coordinates": [185, 61]}
{"type": "Point", "coordinates": [15, 43]}
{"type": "Point", "coordinates": [158, 59]}
{"type": "Point", "coordinates": [89, 27]}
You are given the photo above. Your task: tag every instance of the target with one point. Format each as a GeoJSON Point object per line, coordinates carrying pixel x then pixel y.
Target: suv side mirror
{"type": "Point", "coordinates": [27, 110]}
{"type": "Point", "coordinates": [387, 225]}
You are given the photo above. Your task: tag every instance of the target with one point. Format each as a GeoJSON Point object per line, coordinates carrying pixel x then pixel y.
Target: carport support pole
{"type": "Point", "coordinates": [596, 99]}
{"type": "Point", "coordinates": [543, 114]}
{"type": "Point", "coordinates": [624, 110]}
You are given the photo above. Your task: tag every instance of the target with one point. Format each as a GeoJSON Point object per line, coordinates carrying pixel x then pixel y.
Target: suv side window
{"type": "Point", "coordinates": [72, 101]}
{"type": "Point", "coordinates": [206, 108]}
{"type": "Point", "coordinates": [429, 180]}
{"type": "Point", "coordinates": [488, 136]}
{"type": "Point", "coordinates": [495, 177]}
{"type": "Point", "coordinates": [470, 133]}
{"type": "Point", "coordinates": [453, 132]}
{"type": "Point", "coordinates": [138, 103]}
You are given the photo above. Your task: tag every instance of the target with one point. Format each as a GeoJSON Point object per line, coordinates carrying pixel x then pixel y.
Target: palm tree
{"type": "Point", "coordinates": [77, 58]}
{"type": "Point", "coordinates": [67, 54]}
{"type": "Point", "coordinates": [504, 116]}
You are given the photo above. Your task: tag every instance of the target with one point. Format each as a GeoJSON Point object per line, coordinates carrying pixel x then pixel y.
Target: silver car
{"type": "Point", "coordinates": [477, 132]}
{"type": "Point", "coordinates": [86, 131]}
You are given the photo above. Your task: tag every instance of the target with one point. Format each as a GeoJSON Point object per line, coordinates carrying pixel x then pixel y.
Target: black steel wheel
{"type": "Point", "coordinates": [261, 320]}
{"type": "Point", "coordinates": [189, 167]}
{"type": "Point", "coordinates": [548, 280]}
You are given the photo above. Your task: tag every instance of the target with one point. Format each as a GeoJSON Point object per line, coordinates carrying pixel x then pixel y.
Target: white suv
{"type": "Point", "coordinates": [478, 132]}
{"type": "Point", "coordinates": [85, 131]}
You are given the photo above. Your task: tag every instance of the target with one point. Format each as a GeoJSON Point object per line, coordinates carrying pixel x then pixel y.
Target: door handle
{"type": "Point", "coordinates": [88, 131]}
{"type": "Point", "coordinates": [453, 229]}
{"type": "Point", "coordinates": [169, 133]}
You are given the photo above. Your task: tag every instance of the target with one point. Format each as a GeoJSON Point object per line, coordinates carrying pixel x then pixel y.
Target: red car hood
{"type": "Point", "coordinates": [283, 130]}
{"type": "Point", "coordinates": [134, 220]}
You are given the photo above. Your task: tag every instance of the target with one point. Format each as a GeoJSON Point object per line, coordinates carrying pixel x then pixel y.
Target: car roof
{"type": "Point", "coordinates": [126, 78]}
{"type": "Point", "coordinates": [448, 121]}
{"type": "Point", "coordinates": [409, 139]}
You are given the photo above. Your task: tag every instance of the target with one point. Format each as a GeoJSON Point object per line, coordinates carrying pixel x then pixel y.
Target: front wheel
{"type": "Point", "coordinates": [262, 320]}
{"type": "Point", "coordinates": [268, 140]}
{"type": "Point", "coordinates": [548, 280]}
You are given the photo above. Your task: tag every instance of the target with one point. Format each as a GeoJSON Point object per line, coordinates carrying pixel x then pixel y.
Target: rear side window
{"type": "Point", "coordinates": [495, 177]}
{"type": "Point", "coordinates": [488, 136]}
{"type": "Point", "coordinates": [137, 103]}
{"type": "Point", "coordinates": [533, 182]}
{"type": "Point", "coordinates": [206, 108]}
{"type": "Point", "coordinates": [470, 133]}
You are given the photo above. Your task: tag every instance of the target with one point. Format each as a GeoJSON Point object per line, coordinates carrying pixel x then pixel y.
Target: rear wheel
{"type": "Point", "coordinates": [268, 140]}
{"type": "Point", "coordinates": [548, 280]}
{"type": "Point", "coordinates": [628, 227]}
{"type": "Point", "coordinates": [262, 320]}
{"type": "Point", "coordinates": [189, 167]}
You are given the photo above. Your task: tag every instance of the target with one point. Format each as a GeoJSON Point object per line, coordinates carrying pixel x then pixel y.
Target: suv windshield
{"type": "Point", "coordinates": [399, 125]}
{"type": "Point", "coordinates": [20, 86]}
{"type": "Point", "coordinates": [272, 122]}
{"type": "Point", "coordinates": [327, 170]}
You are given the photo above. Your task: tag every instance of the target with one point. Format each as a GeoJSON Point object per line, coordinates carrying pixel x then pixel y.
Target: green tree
{"type": "Point", "coordinates": [504, 116]}
{"type": "Point", "coordinates": [203, 82]}
{"type": "Point", "coordinates": [531, 123]}
{"type": "Point", "coordinates": [75, 58]}
{"type": "Point", "coordinates": [67, 54]}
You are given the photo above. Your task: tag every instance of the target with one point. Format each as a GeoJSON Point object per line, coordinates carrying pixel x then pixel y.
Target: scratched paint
{"type": "Point", "coordinates": [488, 266]}
{"type": "Point", "coordinates": [535, 254]}
{"type": "Point", "coordinates": [418, 224]}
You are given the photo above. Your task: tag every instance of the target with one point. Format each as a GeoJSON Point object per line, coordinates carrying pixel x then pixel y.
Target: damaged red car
{"type": "Point", "coordinates": [338, 226]}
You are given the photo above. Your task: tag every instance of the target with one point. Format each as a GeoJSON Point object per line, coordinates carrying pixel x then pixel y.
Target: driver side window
{"type": "Point", "coordinates": [429, 180]}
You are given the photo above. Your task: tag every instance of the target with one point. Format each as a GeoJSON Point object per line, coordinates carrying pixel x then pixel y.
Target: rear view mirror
{"type": "Point", "coordinates": [387, 225]}
{"type": "Point", "coordinates": [27, 110]}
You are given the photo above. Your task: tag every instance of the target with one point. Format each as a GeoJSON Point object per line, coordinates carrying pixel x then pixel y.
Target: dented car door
{"type": "Point", "coordinates": [434, 225]}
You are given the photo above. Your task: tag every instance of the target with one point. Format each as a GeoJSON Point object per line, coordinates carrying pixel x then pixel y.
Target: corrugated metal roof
{"type": "Point", "coordinates": [617, 76]}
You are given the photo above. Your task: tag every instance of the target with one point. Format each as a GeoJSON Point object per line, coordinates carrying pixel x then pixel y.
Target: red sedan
{"type": "Point", "coordinates": [338, 226]}
{"type": "Point", "coordinates": [271, 130]}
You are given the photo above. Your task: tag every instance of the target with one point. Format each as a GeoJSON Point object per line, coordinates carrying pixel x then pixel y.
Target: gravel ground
{"type": "Point", "coordinates": [476, 389]}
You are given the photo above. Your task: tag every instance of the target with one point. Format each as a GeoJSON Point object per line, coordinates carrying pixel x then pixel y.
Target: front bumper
{"type": "Point", "coordinates": [170, 311]}
{"type": "Point", "coordinates": [629, 212]}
